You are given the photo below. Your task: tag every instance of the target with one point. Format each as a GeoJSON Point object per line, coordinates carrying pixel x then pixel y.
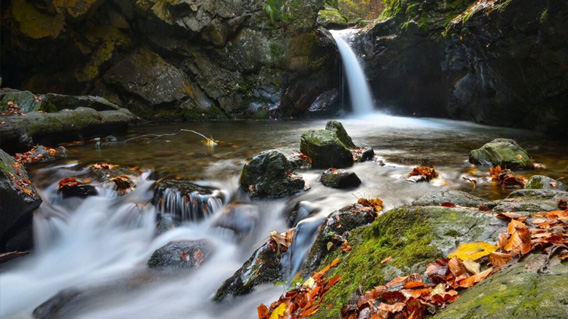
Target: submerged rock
{"type": "Point", "coordinates": [544, 182]}
{"type": "Point", "coordinates": [18, 201]}
{"type": "Point", "coordinates": [184, 254]}
{"type": "Point", "coordinates": [269, 174]}
{"type": "Point", "coordinates": [51, 308]}
{"type": "Point", "coordinates": [241, 218]}
{"type": "Point", "coordinates": [515, 292]}
{"type": "Point", "coordinates": [340, 178]}
{"type": "Point", "coordinates": [325, 149]}
{"type": "Point", "coordinates": [458, 198]}
{"type": "Point", "coordinates": [504, 152]}
{"type": "Point", "coordinates": [80, 191]}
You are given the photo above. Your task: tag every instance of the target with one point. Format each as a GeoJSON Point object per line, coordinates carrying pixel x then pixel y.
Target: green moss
{"type": "Point", "coordinates": [544, 16]}
{"type": "Point", "coordinates": [34, 24]}
{"type": "Point", "coordinates": [404, 234]}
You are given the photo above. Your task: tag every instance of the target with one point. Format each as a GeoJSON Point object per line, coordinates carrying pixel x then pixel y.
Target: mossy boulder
{"type": "Point", "coordinates": [60, 102]}
{"type": "Point", "coordinates": [26, 100]}
{"type": "Point", "coordinates": [269, 174]}
{"type": "Point", "coordinates": [438, 198]}
{"type": "Point", "coordinates": [413, 237]}
{"type": "Point", "coordinates": [515, 292]}
{"type": "Point", "coordinates": [184, 254]}
{"type": "Point", "coordinates": [331, 18]}
{"type": "Point", "coordinates": [325, 149]}
{"type": "Point", "coordinates": [340, 178]}
{"type": "Point", "coordinates": [504, 152]}
{"type": "Point", "coordinates": [18, 201]}
{"type": "Point", "coordinates": [544, 182]}
{"type": "Point", "coordinates": [340, 132]}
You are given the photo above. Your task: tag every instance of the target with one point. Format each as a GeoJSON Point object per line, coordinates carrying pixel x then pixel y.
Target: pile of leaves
{"type": "Point", "coordinates": [102, 166]}
{"type": "Point", "coordinates": [20, 184]}
{"type": "Point", "coordinates": [304, 301]}
{"type": "Point", "coordinates": [427, 173]}
{"type": "Point", "coordinates": [12, 109]}
{"type": "Point", "coordinates": [124, 184]}
{"type": "Point", "coordinates": [36, 154]}
{"type": "Point", "coordinates": [506, 177]}
{"type": "Point", "coordinates": [373, 204]}
{"type": "Point", "coordinates": [478, 5]}
{"type": "Point", "coordinates": [69, 182]}
{"type": "Point", "coordinates": [280, 242]}
{"type": "Point", "coordinates": [415, 296]}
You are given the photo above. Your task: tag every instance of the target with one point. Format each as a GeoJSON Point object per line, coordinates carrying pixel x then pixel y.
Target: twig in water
{"type": "Point", "coordinates": [208, 141]}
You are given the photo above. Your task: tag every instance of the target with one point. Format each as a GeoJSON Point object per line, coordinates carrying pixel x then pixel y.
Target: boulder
{"type": "Point", "coordinates": [515, 292]}
{"type": "Point", "coordinates": [52, 307]}
{"type": "Point", "coordinates": [26, 100]}
{"type": "Point", "coordinates": [544, 182]}
{"type": "Point", "coordinates": [184, 254]}
{"type": "Point", "coordinates": [331, 18]}
{"type": "Point", "coordinates": [269, 174]}
{"type": "Point", "coordinates": [186, 200]}
{"type": "Point", "coordinates": [455, 197]}
{"type": "Point", "coordinates": [325, 149]}
{"type": "Point", "coordinates": [80, 191]}
{"type": "Point", "coordinates": [531, 201]}
{"type": "Point", "coordinates": [60, 102]}
{"type": "Point", "coordinates": [504, 152]}
{"type": "Point", "coordinates": [340, 178]}
{"type": "Point", "coordinates": [18, 201]}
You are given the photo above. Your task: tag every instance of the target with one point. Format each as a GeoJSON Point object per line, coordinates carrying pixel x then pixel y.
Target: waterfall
{"type": "Point", "coordinates": [358, 88]}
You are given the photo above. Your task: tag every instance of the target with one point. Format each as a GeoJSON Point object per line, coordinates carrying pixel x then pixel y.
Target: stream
{"type": "Point", "coordinates": [101, 244]}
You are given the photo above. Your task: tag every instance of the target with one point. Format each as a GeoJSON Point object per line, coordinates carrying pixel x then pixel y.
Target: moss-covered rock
{"type": "Point", "coordinates": [515, 292]}
{"type": "Point", "coordinates": [413, 237]}
{"type": "Point", "coordinates": [337, 128]}
{"type": "Point", "coordinates": [331, 18]}
{"type": "Point", "coordinates": [544, 182]}
{"type": "Point", "coordinates": [504, 152]}
{"type": "Point", "coordinates": [325, 149]}
{"type": "Point", "coordinates": [530, 201]}
{"type": "Point", "coordinates": [26, 100]}
{"type": "Point", "coordinates": [269, 174]}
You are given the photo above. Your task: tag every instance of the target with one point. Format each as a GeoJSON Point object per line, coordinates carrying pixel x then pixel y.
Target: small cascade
{"type": "Point", "coordinates": [186, 200]}
{"type": "Point", "coordinates": [361, 99]}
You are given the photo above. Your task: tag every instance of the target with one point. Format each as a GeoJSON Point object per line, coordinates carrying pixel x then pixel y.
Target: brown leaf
{"type": "Point", "coordinates": [386, 260]}
{"type": "Point", "coordinates": [471, 281]}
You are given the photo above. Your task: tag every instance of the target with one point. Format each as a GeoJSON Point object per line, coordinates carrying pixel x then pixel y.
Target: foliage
{"type": "Point", "coordinates": [506, 177]}
{"type": "Point", "coordinates": [427, 173]}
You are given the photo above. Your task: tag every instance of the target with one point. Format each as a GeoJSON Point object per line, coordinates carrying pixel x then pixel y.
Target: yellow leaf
{"type": "Point", "coordinates": [279, 311]}
{"type": "Point", "coordinates": [310, 283]}
{"type": "Point", "coordinates": [472, 251]}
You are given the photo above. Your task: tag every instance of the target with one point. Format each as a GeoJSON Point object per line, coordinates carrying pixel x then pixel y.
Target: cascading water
{"type": "Point", "coordinates": [358, 88]}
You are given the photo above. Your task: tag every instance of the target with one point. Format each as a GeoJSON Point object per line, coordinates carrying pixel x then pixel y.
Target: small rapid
{"type": "Point", "coordinates": [359, 91]}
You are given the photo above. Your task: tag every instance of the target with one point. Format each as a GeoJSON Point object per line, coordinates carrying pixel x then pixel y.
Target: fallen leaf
{"type": "Point", "coordinates": [386, 260]}
{"type": "Point", "coordinates": [473, 251]}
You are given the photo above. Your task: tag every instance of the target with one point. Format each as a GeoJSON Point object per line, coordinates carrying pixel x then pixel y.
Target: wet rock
{"type": "Point", "coordinates": [331, 18]}
{"type": "Point", "coordinates": [80, 191]}
{"type": "Point", "coordinates": [544, 182]}
{"type": "Point", "coordinates": [51, 308]}
{"type": "Point", "coordinates": [187, 200]}
{"type": "Point", "coordinates": [334, 231]}
{"type": "Point", "coordinates": [300, 161]}
{"type": "Point", "coordinates": [458, 198]}
{"type": "Point", "coordinates": [241, 218]}
{"type": "Point", "coordinates": [185, 254]}
{"type": "Point", "coordinates": [340, 178]}
{"type": "Point", "coordinates": [269, 174]}
{"type": "Point", "coordinates": [337, 128]}
{"type": "Point", "coordinates": [325, 149]}
{"type": "Point", "coordinates": [301, 211]}
{"type": "Point", "coordinates": [327, 103]}
{"type": "Point", "coordinates": [531, 201]}
{"type": "Point", "coordinates": [18, 201]}
{"type": "Point", "coordinates": [111, 139]}
{"type": "Point", "coordinates": [40, 154]}
{"type": "Point", "coordinates": [363, 153]}
{"type": "Point", "coordinates": [165, 223]}
{"type": "Point", "coordinates": [263, 267]}
{"type": "Point", "coordinates": [504, 152]}
{"type": "Point", "coordinates": [514, 292]}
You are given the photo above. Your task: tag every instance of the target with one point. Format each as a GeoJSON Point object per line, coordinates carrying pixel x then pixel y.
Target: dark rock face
{"type": "Point", "coordinates": [458, 198]}
{"type": "Point", "coordinates": [504, 152]}
{"type": "Point", "coordinates": [500, 66]}
{"type": "Point", "coordinates": [172, 60]}
{"type": "Point", "coordinates": [18, 201]}
{"type": "Point", "coordinates": [269, 174]}
{"type": "Point", "coordinates": [340, 178]}
{"type": "Point", "coordinates": [181, 255]}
